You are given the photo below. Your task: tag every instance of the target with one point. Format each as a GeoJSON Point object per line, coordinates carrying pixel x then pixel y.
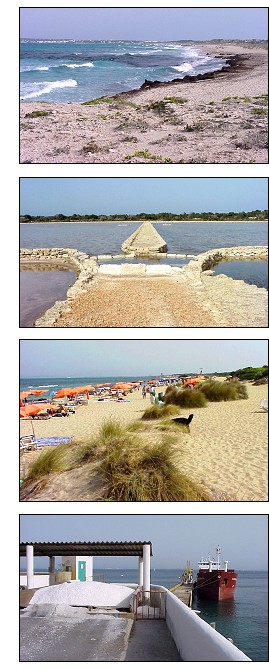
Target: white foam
{"type": "Point", "coordinates": [51, 85]}
{"type": "Point", "coordinates": [32, 68]}
{"type": "Point", "coordinates": [184, 67]}
{"type": "Point", "coordinates": [78, 65]}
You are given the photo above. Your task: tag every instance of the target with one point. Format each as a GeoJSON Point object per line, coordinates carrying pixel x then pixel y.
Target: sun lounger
{"type": "Point", "coordinates": [264, 405]}
{"type": "Point", "coordinates": [42, 415]}
{"type": "Point", "coordinates": [28, 443]}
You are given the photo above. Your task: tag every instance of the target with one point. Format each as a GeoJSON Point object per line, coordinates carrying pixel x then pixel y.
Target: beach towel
{"type": "Point", "coordinates": [52, 441]}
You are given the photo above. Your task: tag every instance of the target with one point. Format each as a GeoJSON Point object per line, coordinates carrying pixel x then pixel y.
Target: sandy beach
{"type": "Point", "coordinates": [220, 119]}
{"type": "Point", "coordinates": [226, 449]}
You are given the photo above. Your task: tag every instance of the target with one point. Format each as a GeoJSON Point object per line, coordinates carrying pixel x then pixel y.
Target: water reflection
{"type": "Point", "coordinates": [107, 238]}
{"type": "Point", "coordinates": [252, 272]}
{"type": "Point", "coordinates": [40, 290]}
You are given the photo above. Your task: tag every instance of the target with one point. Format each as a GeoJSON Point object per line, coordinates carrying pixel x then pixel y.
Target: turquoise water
{"type": "Point", "coordinates": [51, 384]}
{"type": "Point", "coordinates": [70, 71]}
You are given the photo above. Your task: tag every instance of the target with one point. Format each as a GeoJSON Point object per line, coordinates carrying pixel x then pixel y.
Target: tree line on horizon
{"type": "Point", "coordinates": [255, 215]}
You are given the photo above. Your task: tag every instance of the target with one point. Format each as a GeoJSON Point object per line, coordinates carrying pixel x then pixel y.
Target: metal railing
{"type": "Point", "coordinates": [150, 605]}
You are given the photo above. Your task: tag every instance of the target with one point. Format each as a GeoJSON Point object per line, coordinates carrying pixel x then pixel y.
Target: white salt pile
{"type": "Point", "coordinates": [95, 594]}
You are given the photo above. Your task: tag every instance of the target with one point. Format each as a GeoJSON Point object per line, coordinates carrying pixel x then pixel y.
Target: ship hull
{"type": "Point", "coordinates": [216, 585]}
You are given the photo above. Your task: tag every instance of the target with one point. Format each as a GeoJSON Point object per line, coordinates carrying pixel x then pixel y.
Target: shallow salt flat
{"type": "Point", "coordinates": [96, 594]}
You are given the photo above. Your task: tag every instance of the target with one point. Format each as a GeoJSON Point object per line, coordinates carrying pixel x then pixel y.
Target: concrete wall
{"type": "Point", "coordinates": [39, 580]}
{"type": "Point", "coordinates": [195, 639]}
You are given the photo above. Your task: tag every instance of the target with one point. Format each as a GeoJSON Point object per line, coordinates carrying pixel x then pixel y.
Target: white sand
{"type": "Point", "coordinates": [226, 450]}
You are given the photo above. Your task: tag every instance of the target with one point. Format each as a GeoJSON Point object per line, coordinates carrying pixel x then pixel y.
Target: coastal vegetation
{"type": "Point", "coordinates": [184, 398]}
{"type": "Point", "coordinates": [251, 374]}
{"type": "Point", "coordinates": [133, 464]}
{"type": "Point", "coordinates": [255, 215]}
{"type": "Point", "coordinates": [158, 412]}
{"type": "Point", "coordinates": [219, 391]}
{"type": "Point", "coordinates": [212, 391]}
{"type": "Point", "coordinates": [36, 114]}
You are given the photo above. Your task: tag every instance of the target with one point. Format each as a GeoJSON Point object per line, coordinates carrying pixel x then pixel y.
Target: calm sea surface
{"type": "Point", "coordinates": [245, 619]}
{"type": "Point", "coordinates": [40, 290]}
{"type": "Point", "coordinates": [107, 238]}
{"type": "Point", "coordinates": [70, 71]}
{"type": "Point", "coordinates": [252, 272]}
{"type": "Point", "coordinates": [52, 384]}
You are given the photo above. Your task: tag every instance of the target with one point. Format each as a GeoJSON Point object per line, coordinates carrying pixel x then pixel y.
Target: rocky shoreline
{"type": "Point", "coordinates": [218, 117]}
{"type": "Point", "coordinates": [211, 292]}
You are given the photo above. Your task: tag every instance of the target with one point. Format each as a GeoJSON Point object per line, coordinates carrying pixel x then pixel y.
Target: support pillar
{"type": "Point", "coordinates": [52, 570]}
{"type": "Point", "coordinates": [30, 566]}
{"type": "Point", "coordinates": [146, 567]}
{"type": "Point", "coordinates": [140, 571]}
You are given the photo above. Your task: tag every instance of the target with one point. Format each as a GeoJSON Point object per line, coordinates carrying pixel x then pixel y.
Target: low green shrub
{"type": "Point", "coordinates": [139, 471]}
{"type": "Point", "coordinates": [223, 391]}
{"type": "Point", "coordinates": [97, 101]}
{"type": "Point", "coordinates": [184, 398]}
{"type": "Point", "coordinates": [36, 113]}
{"type": "Point", "coordinates": [53, 459]}
{"type": "Point", "coordinates": [259, 111]}
{"type": "Point", "coordinates": [158, 412]}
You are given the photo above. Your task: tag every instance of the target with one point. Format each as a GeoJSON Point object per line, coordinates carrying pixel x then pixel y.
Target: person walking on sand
{"type": "Point", "coordinates": [144, 393]}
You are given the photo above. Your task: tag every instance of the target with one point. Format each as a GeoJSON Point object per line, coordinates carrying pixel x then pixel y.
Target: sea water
{"type": "Point", "coordinates": [51, 384]}
{"type": "Point", "coordinates": [77, 71]}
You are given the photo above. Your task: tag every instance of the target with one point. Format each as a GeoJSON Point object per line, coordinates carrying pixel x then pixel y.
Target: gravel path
{"type": "Point", "coordinates": [150, 302]}
{"type": "Point", "coordinates": [173, 302]}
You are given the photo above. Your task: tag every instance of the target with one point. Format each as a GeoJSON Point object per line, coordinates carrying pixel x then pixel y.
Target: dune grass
{"type": "Point", "coordinates": [188, 398]}
{"type": "Point", "coordinates": [137, 470]}
{"type": "Point", "coordinates": [221, 391]}
{"type": "Point", "coordinates": [53, 459]}
{"type": "Point", "coordinates": [134, 466]}
{"type": "Point", "coordinates": [158, 412]}
{"type": "Point", "coordinates": [212, 391]}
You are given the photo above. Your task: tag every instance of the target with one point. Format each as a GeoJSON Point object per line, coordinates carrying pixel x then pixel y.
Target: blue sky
{"type": "Point", "coordinates": [100, 358]}
{"type": "Point", "coordinates": [176, 538]}
{"type": "Point", "coordinates": [144, 23]}
{"type": "Point", "coordinates": [47, 196]}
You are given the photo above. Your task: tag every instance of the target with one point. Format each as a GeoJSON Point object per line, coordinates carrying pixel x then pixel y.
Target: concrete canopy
{"type": "Point", "coordinates": [86, 548]}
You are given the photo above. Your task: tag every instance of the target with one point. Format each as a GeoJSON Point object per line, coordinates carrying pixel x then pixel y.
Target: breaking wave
{"type": "Point", "coordinates": [51, 85]}
{"type": "Point", "coordinates": [184, 67]}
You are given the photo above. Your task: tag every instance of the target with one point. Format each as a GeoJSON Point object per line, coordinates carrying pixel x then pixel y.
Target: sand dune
{"type": "Point", "coordinates": [226, 449]}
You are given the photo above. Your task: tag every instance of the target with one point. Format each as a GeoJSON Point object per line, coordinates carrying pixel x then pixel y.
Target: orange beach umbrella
{"type": "Point", "coordinates": [121, 385]}
{"type": "Point", "coordinates": [62, 393]}
{"type": "Point", "coordinates": [31, 410]}
{"type": "Point", "coordinates": [83, 389]}
{"type": "Point", "coordinates": [24, 394]}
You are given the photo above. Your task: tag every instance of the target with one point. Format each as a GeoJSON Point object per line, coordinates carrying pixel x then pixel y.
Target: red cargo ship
{"type": "Point", "coordinates": [214, 582]}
